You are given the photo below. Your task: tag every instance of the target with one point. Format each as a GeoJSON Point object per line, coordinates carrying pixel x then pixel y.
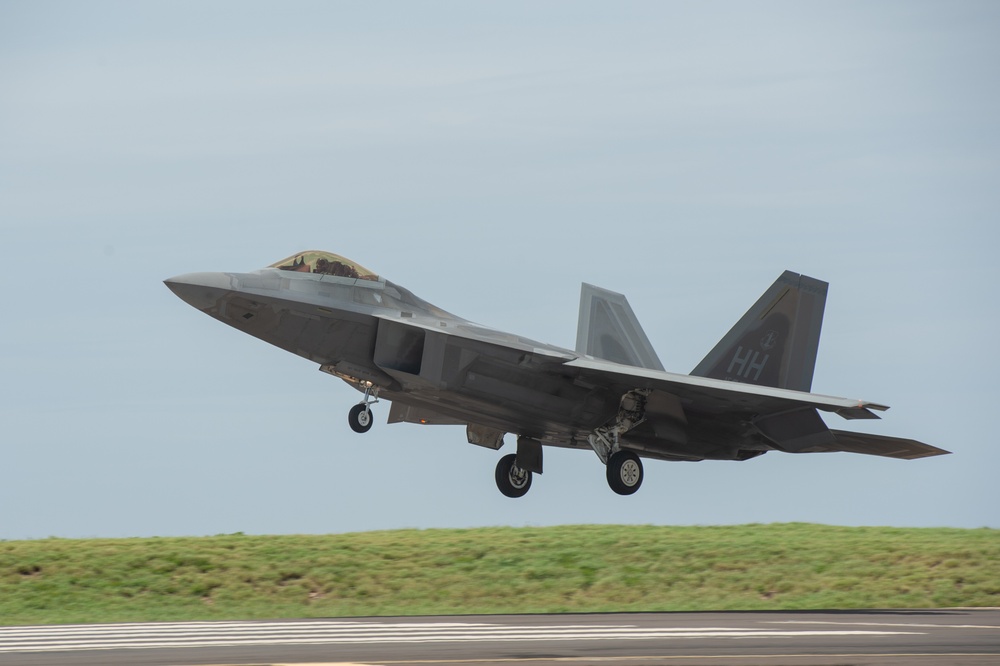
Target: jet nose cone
{"type": "Point", "coordinates": [200, 290]}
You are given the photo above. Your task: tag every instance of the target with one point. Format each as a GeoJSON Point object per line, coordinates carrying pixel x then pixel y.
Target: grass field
{"type": "Point", "coordinates": [497, 570]}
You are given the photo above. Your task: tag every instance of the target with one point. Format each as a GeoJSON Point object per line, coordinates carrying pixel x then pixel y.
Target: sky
{"type": "Point", "coordinates": [490, 157]}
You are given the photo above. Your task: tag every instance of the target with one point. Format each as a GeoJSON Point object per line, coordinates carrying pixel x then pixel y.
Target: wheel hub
{"type": "Point", "coordinates": [630, 473]}
{"type": "Point", "coordinates": [518, 477]}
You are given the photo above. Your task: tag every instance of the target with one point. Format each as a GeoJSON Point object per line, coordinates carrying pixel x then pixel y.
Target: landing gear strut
{"type": "Point", "coordinates": [360, 416]}
{"type": "Point", "coordinates": [624, 469]}
{"type": "Point", "coordinates": [511, 479]}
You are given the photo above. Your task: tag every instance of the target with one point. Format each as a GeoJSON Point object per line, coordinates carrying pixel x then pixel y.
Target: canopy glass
{"type": "Point", "coordinates": [324, 263]}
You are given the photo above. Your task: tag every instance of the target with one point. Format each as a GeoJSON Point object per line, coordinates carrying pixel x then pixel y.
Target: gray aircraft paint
{"type": "Point", "coordinates": [743, 400]}
{"type": "Point", "coordinates": [609, 329]}
{"type": "Point", "coordinates": [775, 343]}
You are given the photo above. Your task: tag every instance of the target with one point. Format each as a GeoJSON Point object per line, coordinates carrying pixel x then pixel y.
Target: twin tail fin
{"type": "Point", "coordinates": [776, 341]}
{"type": "Point", "coordinates": [608, 329]}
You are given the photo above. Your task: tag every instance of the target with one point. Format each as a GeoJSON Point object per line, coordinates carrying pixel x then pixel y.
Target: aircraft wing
{"type": "Point", "coordinates": [787, 417]}
{"type": "Point", "coordinates": [721, 396]}
{"type": "Point", "coordinates": [711, 395]}
{"type": "Point", "coordinates": [788, 421]}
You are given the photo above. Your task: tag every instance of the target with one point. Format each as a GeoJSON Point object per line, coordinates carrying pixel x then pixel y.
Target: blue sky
{"type": "Point", "coordinates": [490, 157]}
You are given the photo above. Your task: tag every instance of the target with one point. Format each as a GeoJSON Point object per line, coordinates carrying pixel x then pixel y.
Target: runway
{"type": "Point", "coordinates": [820, 638]}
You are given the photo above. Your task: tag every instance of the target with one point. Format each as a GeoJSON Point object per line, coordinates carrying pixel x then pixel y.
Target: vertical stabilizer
{"type": "Point", "coordinates": [776, 341]}
{"type": "Point", "coordinates": [608, 329]}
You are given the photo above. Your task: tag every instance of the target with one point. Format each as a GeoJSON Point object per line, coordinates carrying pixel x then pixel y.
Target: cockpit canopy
{"type": "Point", "coordinates": [324, 263]}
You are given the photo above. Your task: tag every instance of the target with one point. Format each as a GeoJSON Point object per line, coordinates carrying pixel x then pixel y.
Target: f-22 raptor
{"type": "Point", "coordinates": [611, 395]}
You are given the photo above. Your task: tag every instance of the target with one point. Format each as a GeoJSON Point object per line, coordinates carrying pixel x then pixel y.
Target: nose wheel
{"type": "Point", "coordinates": [360, 418]}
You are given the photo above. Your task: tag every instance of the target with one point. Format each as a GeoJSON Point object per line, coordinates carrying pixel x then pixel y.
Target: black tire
{"type": "Point", "coordinates": [360, 418]}
{"type": "Point", "coordinates": [624, 472]}
{"type": "Point", "coordinates": [511, 479]}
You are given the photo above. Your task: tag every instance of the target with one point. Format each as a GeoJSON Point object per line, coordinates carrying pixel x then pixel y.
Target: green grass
{"type": "Point", "coordinates": [580, 568]}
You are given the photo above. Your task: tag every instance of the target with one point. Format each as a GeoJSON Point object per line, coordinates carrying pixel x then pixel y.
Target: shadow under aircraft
{"type": "Point", "coordinates": [610, 395]}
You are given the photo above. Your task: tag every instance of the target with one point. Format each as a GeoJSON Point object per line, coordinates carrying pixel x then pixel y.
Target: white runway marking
{"type": "Point", "coordinates": [889, 624]}
{"type": "Point", "coordinates": [225, 634]}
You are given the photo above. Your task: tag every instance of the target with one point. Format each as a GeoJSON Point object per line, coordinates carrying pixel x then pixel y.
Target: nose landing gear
{"type": "Point", "coordinates": [360, 416]}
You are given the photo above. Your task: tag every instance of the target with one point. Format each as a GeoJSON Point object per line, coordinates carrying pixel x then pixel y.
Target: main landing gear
{"type": "Point", "coordinates": [624, 472]}
{"type": "Point", "coordinates": [360, 416]}
{"type": "Point", "coordinates": [624, 469]}
{"type": "Point", "coordinates": [511, 479]}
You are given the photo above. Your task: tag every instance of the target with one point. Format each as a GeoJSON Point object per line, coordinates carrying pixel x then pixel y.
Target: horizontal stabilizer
{"type": "Point", "coordinates": [878, 445]}
{"type": "Point", "coordinates": [609, 330]}
{"type": "Point", "coordinates": [803, 431]}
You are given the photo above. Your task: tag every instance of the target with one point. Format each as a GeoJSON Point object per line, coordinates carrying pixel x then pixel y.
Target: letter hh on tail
{"type": "Point", "coordinates": [775, 342]}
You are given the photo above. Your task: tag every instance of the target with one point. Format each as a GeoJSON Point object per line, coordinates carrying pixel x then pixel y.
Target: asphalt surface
{"type": "Point", "coordinates": [822, 638]}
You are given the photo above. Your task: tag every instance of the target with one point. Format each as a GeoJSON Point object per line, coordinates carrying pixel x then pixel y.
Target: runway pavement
{"type": "Point", "coordinates": [822, 638]}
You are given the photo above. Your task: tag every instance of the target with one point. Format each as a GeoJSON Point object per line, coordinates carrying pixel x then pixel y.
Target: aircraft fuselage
{"type": "Point", "coordinates": [419, 355]}
{"type": "Point", "coordinates": [750, 395]}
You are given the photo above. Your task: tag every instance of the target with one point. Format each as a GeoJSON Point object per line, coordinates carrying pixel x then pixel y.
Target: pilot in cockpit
{"type": "Point", "coordinates": [325, 263]}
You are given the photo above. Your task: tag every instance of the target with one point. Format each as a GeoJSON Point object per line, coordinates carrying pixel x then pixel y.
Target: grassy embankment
{"type": "Point", "coordinates": [497, 570]}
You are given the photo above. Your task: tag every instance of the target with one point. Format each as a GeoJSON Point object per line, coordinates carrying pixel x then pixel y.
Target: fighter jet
{"type": "Point", "coordinates": [610, 395]}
